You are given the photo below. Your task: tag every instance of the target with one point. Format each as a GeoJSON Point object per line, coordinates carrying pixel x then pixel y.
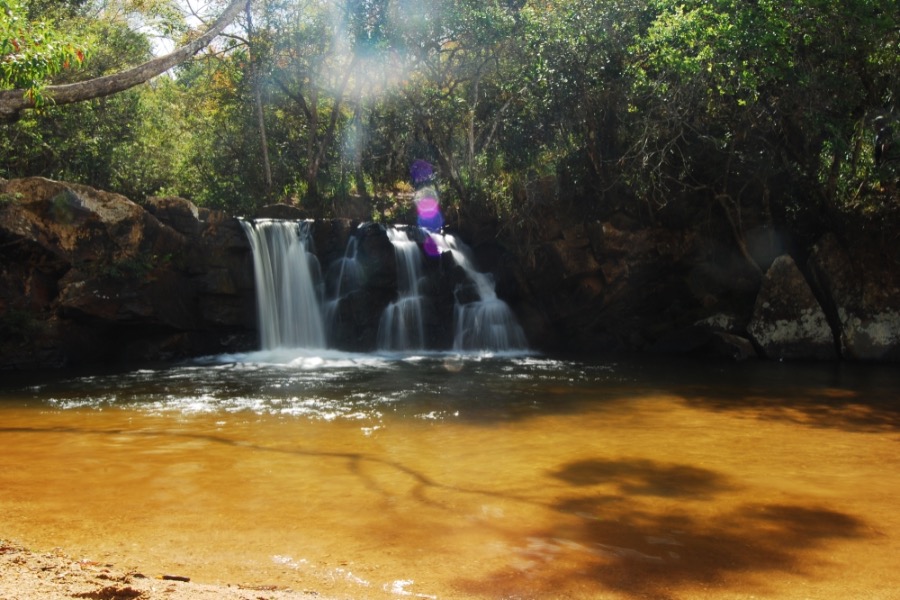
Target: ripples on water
{"type": "Point", "coordinates": [330, 385]}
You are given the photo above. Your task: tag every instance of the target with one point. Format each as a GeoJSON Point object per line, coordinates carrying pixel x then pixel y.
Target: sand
{"type": "Point", "coordinates": [36, 575]}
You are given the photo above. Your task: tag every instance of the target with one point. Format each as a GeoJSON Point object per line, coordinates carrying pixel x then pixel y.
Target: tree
{"type": "Point", "coordinates": [31, 52]}
{"type": "Point", "coordinates": [460, 90]}
{"type": "Point", "coordinates": [12, 102]}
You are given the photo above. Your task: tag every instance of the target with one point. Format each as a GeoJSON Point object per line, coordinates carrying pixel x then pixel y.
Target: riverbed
{"type": "Point", "coordinates": [476, 476]}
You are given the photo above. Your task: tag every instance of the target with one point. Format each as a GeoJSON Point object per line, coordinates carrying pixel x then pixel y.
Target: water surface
{"type": "Point", "coordinates": [438, 476]}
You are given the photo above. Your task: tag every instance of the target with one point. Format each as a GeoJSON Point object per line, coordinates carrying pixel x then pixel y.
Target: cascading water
{"type": "Point", "coordinates": [292, 314]}
{"type": "Point", "coordinates": [343, 277]}
{"type": "Point", "coordinates": [486, 323]}
{"type": "Point", "coordinates": [401, 327]}
{"type": "Point", "coordinates": [286, 273]}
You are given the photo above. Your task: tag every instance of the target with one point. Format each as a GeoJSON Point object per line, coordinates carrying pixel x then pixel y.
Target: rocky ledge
{"type": "Point", "coordinates": [89, 277]}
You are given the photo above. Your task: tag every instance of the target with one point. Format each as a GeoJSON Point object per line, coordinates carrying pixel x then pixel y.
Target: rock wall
{"type": "Point", "coordinates": [89, 277]}
{"type": "Point", "coordinates": [612, 286]}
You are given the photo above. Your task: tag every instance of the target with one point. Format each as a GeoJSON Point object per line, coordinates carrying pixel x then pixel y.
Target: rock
{"type": "Point", "coordinates": [732, 346]}
{"type": "Point", "coordinates": [330, 238]}
{"type": "Point", "coordinates": [88, 276]}
{"type": "Point", "coordinates": [701, 340]}
{"type": "Point", "coordinates": [181, 215]}
{"type": "Point", "coordinates": [603, 288]}
{"type": "Point", "coordinates": [861, 286]}
{"type": "Point", "coordinates": [788, 322]}
{"type": "Point", "coordinates": [689, 340]}
{"type": "Point", "coordinates": [82, 225]}
{"type": "Point", "coordinates": [722, 322]}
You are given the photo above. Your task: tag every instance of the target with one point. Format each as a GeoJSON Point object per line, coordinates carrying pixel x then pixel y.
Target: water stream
{"type": "Point", "coordinates": [288, 302]}
{"type": "Point", "coordinates": [485, 323]}
{"type": "Point", "coordinates": [447, 476]}
{"type": "Point", "coordinates": [402, 327]}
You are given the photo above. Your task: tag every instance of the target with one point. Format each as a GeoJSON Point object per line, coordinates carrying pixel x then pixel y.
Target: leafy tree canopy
{"type": "Point", "coordinates": [780, 112]}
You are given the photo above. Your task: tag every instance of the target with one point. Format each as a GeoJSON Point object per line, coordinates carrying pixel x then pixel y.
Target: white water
{"type": "Point", "coordinates": [344, 277]}
{"type": "Point", "coordinates": [488, 323]}
{"type": "Point", "coordinates": [401, 327]}
{"type": "Point", "coordinates": [288, 306]}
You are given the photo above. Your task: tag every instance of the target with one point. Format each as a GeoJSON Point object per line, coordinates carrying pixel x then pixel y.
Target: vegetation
{"type": "Point", "coordinates": [786, 111]}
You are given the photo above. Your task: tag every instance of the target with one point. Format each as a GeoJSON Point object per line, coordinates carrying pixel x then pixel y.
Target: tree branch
{"type": "Point", "coordinates": [14, 101]}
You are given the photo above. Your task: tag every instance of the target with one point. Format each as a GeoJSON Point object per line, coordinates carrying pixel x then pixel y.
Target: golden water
{"type": "Point", "coordinates": [556, 482]}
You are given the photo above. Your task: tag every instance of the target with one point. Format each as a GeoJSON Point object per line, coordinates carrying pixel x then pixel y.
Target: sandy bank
{"type": "Point", "coordinates": [32, 575]}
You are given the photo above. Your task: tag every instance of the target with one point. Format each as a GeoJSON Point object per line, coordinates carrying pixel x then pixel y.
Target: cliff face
{"type": "Point", "coordinates": [88, 277]}
{"type": "Point", "coordinates": [610, 285]}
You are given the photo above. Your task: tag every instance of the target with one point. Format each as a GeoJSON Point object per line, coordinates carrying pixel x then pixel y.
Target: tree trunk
{"type": "Point", "coordinates": [358, 174]}
{"type": "Point", "coordinates": [14, 101]}
{"type": "Point", "coordinates": [258, 101]}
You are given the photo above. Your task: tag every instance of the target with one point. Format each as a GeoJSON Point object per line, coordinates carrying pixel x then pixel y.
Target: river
{"type": "Point", "coordinates": [446, 476]}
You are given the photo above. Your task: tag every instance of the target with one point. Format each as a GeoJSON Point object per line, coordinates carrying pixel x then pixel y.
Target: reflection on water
{"type": "Point", "coordinates": [441, 476]}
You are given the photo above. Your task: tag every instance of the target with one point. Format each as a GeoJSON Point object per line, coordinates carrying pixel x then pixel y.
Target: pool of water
{"type": "Point", "coordinates": [439, 476]}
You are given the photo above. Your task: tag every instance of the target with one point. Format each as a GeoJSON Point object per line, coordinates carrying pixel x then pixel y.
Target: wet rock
{"type": "Point", "coordinates": [605, 288]}
{"type": "Point", "coordinates": [788, 322]}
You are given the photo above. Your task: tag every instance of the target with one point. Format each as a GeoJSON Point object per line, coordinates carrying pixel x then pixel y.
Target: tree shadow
{"type": "Point", "coordinates": [643, 554]}
{"type": "Point", "coordinates": [826, 408]}
{"type": "Point", "coordinates": [636, 543]}
{"type": "Point", "coordinates": [635, 527]}
{"type": "Point", "coordinates": [844, 396]}
{"type": "Point", "coordinates": [645, 477]}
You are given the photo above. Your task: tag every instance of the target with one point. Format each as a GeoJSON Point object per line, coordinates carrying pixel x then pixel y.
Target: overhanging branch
{"type": "Point", "coordinates": [14, 101]}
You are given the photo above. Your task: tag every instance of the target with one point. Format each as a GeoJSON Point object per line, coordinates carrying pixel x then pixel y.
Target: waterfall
{"type": "Point", "coordinates": [401, 327]}
{"type": "Point", "coordinates": [486, 323]}
{"type": "Point", "coordinates": [286, 276]}
{"type": "Point", "coordinates": [290, 292]}
{"type": "Point", "coordinates": [344, 276]}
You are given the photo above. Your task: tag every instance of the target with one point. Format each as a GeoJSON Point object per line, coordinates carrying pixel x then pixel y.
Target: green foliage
{"type": "Point", "coordinates": [83, 142]}
{"type": "Point", "coordinates": [32, 51]}
{"type": "Point", "coordinates": [758, 110]}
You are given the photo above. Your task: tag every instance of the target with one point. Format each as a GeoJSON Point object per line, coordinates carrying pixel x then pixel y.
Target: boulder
{"type": "Point", "coordinates": [861, 287]}
{"type": "Point", "coordinates": [788, 322]}
{"type": "Point", "coordinates": [731, 346]}
{"type": "Point", "coordinates": [89, 276]}
{"type": "Point", "coordinates": [181, 215]}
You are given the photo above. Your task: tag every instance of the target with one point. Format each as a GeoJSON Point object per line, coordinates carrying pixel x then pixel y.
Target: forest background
{"type": "Point", "coordinates": [661, 110]}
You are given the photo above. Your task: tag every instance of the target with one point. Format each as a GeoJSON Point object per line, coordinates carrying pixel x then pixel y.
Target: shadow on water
{"type": "Point", "coordinates": [645, 477]}
{"type": "Point", "coordinates": [844, 396]}
{"type": "Point", "coordinates": [851, 397]}
{"type": "Point", "coordinates": [619, 539]}
{"type": "Point", "coordinates": [647, 554]}
{"type": "Point", "coordinates": [636, 527]}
